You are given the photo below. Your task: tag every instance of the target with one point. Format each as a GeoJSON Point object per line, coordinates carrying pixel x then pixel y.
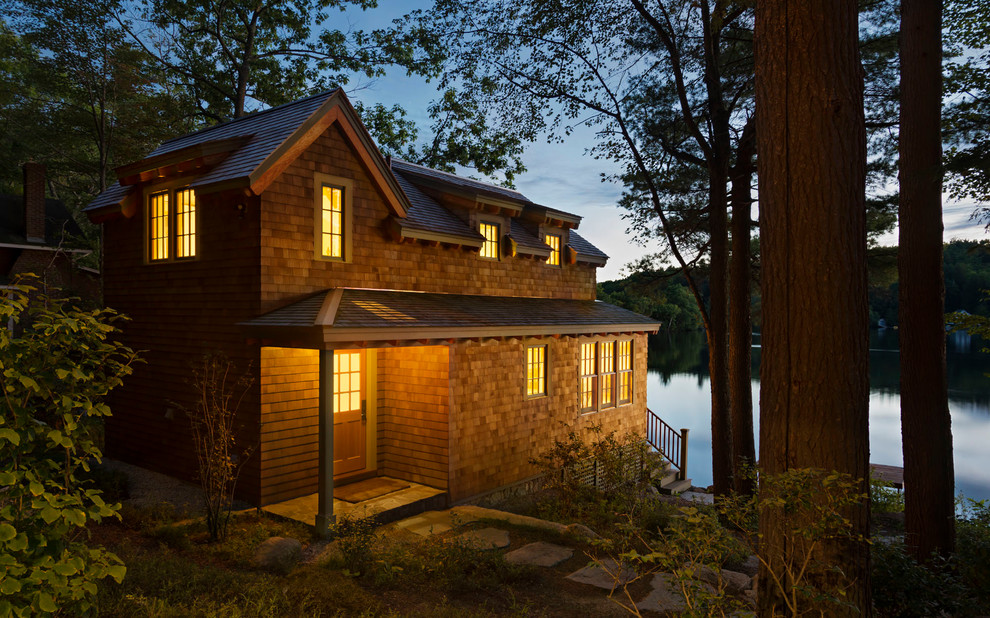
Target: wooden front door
{"type": "Point", "coordinates": [349, 412]}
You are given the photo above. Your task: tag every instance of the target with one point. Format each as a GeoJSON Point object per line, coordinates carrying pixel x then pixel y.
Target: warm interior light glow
{"type": "Point", "coordinates": [333, 222]}
{"type": "Point", "coordinates": [185, 223]}
{"type": "Point", "coordinates": [158, 225]}
{"type": "Point", "coordinates": [589, 378]}
{"type": "Point", "coordinates": [623, 360]}
{"type": "Point", "coordinates": [554, 241]}
{"type": "Point", "coordinates": [490, 232]}
{"type": "Point", "coordinates": [607, 353]}
{"type": "Point", "coordinates": [346, 381]}
{"type": "Point", "coordinates": [536, 370]}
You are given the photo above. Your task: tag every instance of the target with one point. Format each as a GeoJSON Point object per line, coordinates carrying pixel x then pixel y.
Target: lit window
{"type": "Point", "coordinates": [554, 241]}
{"type": "Point", "coordinates": [607, 373]}
{"type": "Point", "coordinates": [185, 221]}
{"type": "Point", "coordinates": [536, 370]}
{"type": "Point", "coordinates": [589, 377]}
{"type": "Point", "coordinates": [172, 230]}
{"type": "Point", "coordinates": [158, 224]}
{"type": "Point", "coordinates": [333, 222]}
{"type": "Point", "coordinates": [489, 250]}
{"type": "Point", "coordinates": [623, 362]}
{"type": "Point", "coordinates": [346, 382]}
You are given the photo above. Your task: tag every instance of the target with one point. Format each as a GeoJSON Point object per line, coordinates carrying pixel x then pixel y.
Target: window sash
{"type": "Point", "coordinates": [185, 223]}
{"type": "Point", "coordinates": [623, 362]}
{"type": "Point", "coordinates": [588, 386]}
{"type": "Point", "coordinates": [158, 226]}
{"type": "Point", "coordinates": [536, 371]}
{"type": "Point", "coordinates": [605, 375]}
{"type": "Point", "coordinates": [554, 241]}
{"type": "Point", "coordinates": [489, 250]}
{"type": "Point", "coordinates": [333, 222]}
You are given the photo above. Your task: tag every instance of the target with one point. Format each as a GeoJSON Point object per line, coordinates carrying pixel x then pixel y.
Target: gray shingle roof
{"type": "Point", "coordinates": [369, 315]}
{"type": "Point", "coordinates": [527, 238]}
{"type": "Point", "coordinates": [585, 248]}
{"type": "Point", "coordinates": [458, 181]}
{"type": "Point", "coordinates": [426, 214]}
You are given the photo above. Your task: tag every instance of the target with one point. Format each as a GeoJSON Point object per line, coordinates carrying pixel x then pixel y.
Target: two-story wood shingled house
{"type": "Point", "coordinates": [398, 321]}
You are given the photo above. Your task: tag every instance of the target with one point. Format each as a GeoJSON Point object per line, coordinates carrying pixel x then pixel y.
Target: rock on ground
{"type": "Point", "coordinates": [540, 554]}
{"type": "Point", "coordinates": [278, 554]}
{"type": "Point", "coordinates": [605, 574]}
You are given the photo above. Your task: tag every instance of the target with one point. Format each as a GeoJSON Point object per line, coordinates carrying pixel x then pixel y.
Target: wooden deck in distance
{"type": "Point", "coordinates": [890, 474]}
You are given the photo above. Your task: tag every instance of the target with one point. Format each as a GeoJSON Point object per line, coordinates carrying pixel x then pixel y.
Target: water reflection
{"type": "Point", "coordinates": [679, 391]}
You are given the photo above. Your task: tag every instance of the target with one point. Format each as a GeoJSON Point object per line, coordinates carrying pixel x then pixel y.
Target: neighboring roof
{"type": "Point", "coordinates": [348, 315]}
{"type": "Point", "coordinates": [527, 240]}
{"type": "Point", "coordinates": [59, 224]}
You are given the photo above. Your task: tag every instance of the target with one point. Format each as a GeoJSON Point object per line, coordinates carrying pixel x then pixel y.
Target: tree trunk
{"type": "Point", "coordinates": [925, 423]}
{"type": "Point", "coordinates": [814, 393]}
{"type": "Point", "coordinates": [740, 317]}
{"type": "Point", "coordinates": [718, 349]}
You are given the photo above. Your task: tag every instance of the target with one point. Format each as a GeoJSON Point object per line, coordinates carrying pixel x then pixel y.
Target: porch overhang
{"type": "Point", "coordinates": [351, 317]}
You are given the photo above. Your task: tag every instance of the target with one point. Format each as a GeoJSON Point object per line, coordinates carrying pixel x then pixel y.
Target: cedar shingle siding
{"type": "Point", "coordinates": [447, 410]}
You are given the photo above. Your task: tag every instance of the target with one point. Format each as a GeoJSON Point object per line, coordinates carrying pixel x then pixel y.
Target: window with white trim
{"type": "Point", "coordinates": [536, 370]}
{"type": "Point", "coordinates": [605, 375]}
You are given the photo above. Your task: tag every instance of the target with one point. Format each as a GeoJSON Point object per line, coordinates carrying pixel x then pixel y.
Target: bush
{"type": "Point", "coordinates": [904, 588]}
{"type": "Point", "coordinates": [973, 548]}
{"type": "Point", "coordinates": [56, 371]}
{"type": "Point", "coordinates": [884, 498]}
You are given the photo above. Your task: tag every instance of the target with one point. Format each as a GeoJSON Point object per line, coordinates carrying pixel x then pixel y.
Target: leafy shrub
{"type": "Point", "coordinates": [58, 364]}
{"type": "Point", "coordinates": [355, 538]}
{"type": "Point", "coordinates": [884, 498]}
{"type": "Point", "coordinates": [973, 548]}
{"type": "Point", "coordinates": [904, 588]}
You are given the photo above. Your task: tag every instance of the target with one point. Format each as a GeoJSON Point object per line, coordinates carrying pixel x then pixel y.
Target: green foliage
{"type": "Point", "coordinates": [660, 294]}
{"type": "Point", "coordinates": [220, 461]}
{"type": "Point", "coordinates": [884, 498]}
{"type": "Point", "coordinates": [812, 508]}
{"type": "Point", "coordinates": [973, 548]}
{"type": "Point", "coordinates": [355, 538]}
{"type": "Point", "coordinates": [56, 371]}
{"type": "Point", "coordinates": [904, 588]}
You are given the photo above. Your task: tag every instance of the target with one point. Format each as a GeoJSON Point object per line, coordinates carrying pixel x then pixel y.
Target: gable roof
{"type": "Point", "coordinates": [60, 227]}
{"type": "Point", "coordinates": [348, 315]}
{"type": "Point", "coordinates": [251, 151]}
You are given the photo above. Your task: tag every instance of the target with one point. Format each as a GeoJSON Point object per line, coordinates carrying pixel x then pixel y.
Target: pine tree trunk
{"type": "Point", "coordinates": [814, 393]}
{"type": "Point", "coordinates": [718, 335]}
{"type": "Point", "coordinates": [740, 316]}
{"type": "Point", "coordinates": [925, 423]}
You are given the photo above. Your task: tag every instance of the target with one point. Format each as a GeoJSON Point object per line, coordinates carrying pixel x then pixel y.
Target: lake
{"type": "Point", "coordinates": [678, 390]}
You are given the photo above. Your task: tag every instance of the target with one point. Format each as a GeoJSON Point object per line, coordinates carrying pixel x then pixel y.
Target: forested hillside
{"type": "Point", "coordinates": [664, 296]}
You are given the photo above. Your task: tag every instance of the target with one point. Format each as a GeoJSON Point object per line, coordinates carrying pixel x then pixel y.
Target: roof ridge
{"type": "Point", "coordinates": [326, 94]}
{"type": "Point", "coordinates": [452, 175]}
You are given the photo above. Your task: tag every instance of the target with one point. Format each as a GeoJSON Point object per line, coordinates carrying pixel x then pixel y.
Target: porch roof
{"type": "Point", "coordinates": [340, 315]}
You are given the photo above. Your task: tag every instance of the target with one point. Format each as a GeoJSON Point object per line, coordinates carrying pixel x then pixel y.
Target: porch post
{"type": "Point", "coordinates": [324, 513]}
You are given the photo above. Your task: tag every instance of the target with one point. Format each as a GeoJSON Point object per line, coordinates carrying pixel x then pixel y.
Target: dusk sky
{"type": "Point", "coordinates": [563, 175]}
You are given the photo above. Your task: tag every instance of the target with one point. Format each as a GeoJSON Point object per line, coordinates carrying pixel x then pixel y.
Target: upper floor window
{"type": "Point", "coordinates": [536, 370]}
{"type": "Point", "coordinates": [490, 249]}
{"type": "Point", "coordinates": [333, 217]}
{"type": "Point", "coordinates": [333, 222]}
{"type": "Point", "coordinates": [554, 241]}
{"type": "Point", "coordinates": [172, 224]}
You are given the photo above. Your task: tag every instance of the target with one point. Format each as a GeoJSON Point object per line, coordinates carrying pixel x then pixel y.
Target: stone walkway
{"type": "Point", "coordinates": [606, 574]}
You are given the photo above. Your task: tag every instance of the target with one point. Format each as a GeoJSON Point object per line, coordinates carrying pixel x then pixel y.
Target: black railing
{"type": "Point", "coordinates": [669, 442]}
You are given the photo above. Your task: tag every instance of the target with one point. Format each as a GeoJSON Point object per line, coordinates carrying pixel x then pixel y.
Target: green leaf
{"type": "Point", "coordinates": [18, 544]}
{"type": "Point", "coordinates": [28, 383]}
{"type": "Point", "coordinates": [36, 488]}
{"type": "Point", "coordinates": [65, 569]}
{"type": "Point", "coordinates": [49, 514]}
{"type": "Point", "coordinates": [10, 586]}
{"type": "Point", "coordinates": [10, 436]}
{"type": "Point", "coordinates": [7, 478]}
{"type": "Point", "coordinates": [46, 603]}
{"type": "Point", "coordinates": [117, 572]}
{"type": "Point", "coordinates": [7, 532]}
{"type": "Point", "coordinates": [61, 373]}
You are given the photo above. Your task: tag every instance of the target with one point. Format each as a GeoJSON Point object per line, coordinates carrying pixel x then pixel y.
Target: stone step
{"type": "Point", "coordinates": [676, 487]}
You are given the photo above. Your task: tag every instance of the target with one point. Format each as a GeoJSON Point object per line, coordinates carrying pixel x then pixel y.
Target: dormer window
{"type": "Point", "coordinates": [490, 249]}
{"type": "Point", "coordinates": [172, 225]}
{"type": "Point", "coordinates": [555, 243]}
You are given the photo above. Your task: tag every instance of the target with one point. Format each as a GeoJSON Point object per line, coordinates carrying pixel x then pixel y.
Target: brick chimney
{"type": "Point", "coordinates": [34, 201]}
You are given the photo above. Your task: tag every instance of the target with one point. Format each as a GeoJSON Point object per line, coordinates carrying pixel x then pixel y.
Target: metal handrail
{"type": "Point", "coordinates": [669, 442]}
